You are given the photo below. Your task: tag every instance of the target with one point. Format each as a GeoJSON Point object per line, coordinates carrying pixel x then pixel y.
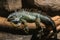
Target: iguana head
{"type": "Point", "coordinates": [13, 18]}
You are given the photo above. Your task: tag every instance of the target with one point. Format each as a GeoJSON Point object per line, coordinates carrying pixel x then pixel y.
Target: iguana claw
{"type": "Point", "coordinates": [26, 29]}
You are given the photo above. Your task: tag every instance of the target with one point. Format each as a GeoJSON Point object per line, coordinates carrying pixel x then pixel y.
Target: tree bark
{"type": "Point", "coordinates": [5, 23]}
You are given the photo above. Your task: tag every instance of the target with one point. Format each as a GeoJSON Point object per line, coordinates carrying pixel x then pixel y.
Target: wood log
{"type": "Point", "coordinates": [5, 23]}
{"type": "Point", "coordinates": [56, 20]}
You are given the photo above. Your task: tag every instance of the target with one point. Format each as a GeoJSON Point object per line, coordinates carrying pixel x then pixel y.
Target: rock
{"type": "Point", "coordinates": [53, 5]}
{"type": "Point", "coordinates": [10, 36]}
{"type": "Point", "coordinates": [11, 5]}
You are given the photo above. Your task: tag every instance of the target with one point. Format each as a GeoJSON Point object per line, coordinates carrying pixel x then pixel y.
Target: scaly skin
{"type": "Point", "coordinates": [25, 16]}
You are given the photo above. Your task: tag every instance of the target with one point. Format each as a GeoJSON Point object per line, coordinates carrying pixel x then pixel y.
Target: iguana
{"type": "Point", "coordinates": [23, 16]}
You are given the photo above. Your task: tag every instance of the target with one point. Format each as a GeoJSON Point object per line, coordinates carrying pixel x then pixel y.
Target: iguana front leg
{"type": "Point", "coordinates": [37, 22]}
{"type": "Point", "coordinates": [26, 29]}
{"type": "Point", "coordinates": [15, 25]}
{"type": "Point", "coordinates": [39, 28]}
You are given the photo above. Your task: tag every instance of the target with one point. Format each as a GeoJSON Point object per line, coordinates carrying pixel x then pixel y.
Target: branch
{"type": "Point", "coordinates": [5, 23]}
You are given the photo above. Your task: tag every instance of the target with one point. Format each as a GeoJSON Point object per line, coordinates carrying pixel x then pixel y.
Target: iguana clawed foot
{"type": "Point", "coordinates": [26, 29]}
{"type": "Point", "coordinates": [37, 22]}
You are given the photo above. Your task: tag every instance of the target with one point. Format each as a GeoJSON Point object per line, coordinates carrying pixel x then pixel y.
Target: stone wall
{"type": "Point", "coordinates": [11, 5]}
